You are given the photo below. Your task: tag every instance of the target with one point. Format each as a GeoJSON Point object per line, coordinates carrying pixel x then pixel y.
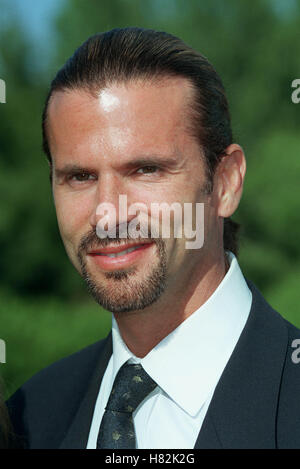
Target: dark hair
{"type": "Point", "coordinates": [126, 54]}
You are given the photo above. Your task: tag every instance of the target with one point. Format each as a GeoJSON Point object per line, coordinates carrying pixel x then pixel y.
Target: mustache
{"type": "Point", "coordinates": [92, 241]}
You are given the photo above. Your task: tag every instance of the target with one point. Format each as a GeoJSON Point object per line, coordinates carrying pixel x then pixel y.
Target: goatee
{"type": "Point", "coordinates": [124, 291]}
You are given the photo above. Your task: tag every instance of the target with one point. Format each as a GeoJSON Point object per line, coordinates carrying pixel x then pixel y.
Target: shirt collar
{"type": "Point", "coordinates": [188, 363]}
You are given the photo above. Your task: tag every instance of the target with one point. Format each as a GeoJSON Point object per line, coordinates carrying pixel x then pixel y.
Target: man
{"type": "Point", "coordinates": [196, 358]}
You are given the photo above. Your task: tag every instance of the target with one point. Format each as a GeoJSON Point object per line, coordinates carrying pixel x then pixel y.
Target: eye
{"type": "Point", "coordinates": [81, 177]}
{"type": "Point", "coordinates": [148, 169]}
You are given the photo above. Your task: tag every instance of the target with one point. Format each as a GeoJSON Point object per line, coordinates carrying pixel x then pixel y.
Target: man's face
{"type": "Point", "coordinates": [131, 139]}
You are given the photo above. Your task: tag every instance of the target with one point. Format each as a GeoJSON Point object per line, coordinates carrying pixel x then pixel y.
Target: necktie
{"type": "Point", "coordinates": [131, 386]}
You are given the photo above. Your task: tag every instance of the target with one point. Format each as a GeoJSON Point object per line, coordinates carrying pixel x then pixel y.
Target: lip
{"type": "Point", "coordinates": [106, 263]}
{"type": "Point", "coordinates": [116, 249]}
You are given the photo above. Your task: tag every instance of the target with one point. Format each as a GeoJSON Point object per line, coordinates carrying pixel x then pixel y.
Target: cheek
{"type": "Point", "coordinates": [73, 217]}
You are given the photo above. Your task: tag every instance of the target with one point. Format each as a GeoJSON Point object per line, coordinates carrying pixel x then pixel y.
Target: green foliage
{"type": "Point", "coordinates": [255, 49]}
{"type": "Point", "coordinates": [38, 332]}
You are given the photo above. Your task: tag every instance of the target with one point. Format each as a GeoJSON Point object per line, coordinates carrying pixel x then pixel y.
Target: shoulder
{"type": "Point", "coordinates": [289, 401]}
{"type": "Point", "coordinates": [73, 368]}
{"type": "Point", "coordinates": [276, 330]}
{"type": "Point", "coordinates": [282, 338]}
{"type": "Point", "coordinates": [50, 399]}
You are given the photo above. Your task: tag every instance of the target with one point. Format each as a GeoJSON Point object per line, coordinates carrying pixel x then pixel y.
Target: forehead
{"type": "Point", "coordinates": [143, 113]}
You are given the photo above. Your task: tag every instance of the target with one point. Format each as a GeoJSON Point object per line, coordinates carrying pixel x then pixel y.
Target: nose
{"type": "Point", "coordinates": [110, 204]}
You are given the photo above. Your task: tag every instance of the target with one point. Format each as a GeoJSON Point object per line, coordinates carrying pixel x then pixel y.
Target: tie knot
{"type": "Point", "coordinates": [131, 386]}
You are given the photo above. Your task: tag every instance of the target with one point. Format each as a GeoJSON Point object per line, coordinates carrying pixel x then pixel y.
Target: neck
{"type": "Point", "coordinates": [142, 330]}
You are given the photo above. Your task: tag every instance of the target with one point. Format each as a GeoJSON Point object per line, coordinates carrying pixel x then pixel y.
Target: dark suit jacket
{"type": "Point", "coordinates": [256, 403]}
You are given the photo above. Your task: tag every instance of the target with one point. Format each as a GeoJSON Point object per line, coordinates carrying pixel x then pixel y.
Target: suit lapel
{"type": "Point", "coordinates": [78, 433]}
{"type": "Point", "coordinates": [242, 413]}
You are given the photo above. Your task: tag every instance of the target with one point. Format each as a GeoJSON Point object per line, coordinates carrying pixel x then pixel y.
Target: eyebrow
{"type": "Point", "coordinates": [70, 169]}
{"type": "Point", "coordinates": [166, 161]}
{"type": "Point", "coordinates": [150, 160]}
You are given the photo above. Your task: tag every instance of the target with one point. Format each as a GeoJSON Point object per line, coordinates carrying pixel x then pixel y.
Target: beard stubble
{"type": "Point", "coordinates": [123, 291]}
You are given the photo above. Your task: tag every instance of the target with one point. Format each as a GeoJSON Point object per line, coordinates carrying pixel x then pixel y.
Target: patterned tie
{"type": "Point", "coordinates": [131, 386]}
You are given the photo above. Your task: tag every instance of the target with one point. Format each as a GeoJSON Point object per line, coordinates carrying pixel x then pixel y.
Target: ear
{"type": "Point", "coordinates": [229, 180]}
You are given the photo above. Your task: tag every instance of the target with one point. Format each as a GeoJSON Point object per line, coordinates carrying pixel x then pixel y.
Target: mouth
{"type": "Point", "coordinates": [121, 256]}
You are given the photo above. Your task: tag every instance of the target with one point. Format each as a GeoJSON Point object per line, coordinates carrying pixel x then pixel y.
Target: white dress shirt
{"type": "Point", "coordinates": [186, 365]}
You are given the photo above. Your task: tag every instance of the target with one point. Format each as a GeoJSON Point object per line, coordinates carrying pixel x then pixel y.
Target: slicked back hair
{"type": "Point", "coordinates": [123, 55]}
